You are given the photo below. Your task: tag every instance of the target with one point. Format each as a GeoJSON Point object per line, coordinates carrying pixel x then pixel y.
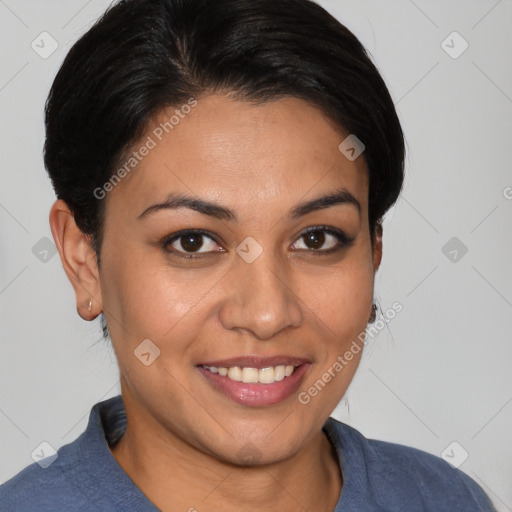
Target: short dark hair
{"type": "Point", "coordinates": [144, 55]}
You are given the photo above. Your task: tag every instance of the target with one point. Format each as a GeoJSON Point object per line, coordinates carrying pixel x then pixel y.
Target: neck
{"type": "Point", "coordinates": [177, 476]}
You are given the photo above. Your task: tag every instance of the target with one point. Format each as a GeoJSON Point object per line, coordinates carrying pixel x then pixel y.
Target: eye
{"type": "Point", "coordinates": [198, 243]}
{"type": "Point", "coordinates": [186, 243]}
{"type": "Point", "coordinates": [323, 239]}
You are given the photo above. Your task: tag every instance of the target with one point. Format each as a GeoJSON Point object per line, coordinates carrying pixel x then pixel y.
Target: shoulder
{"type": "Point", "coordinates": [83, 476]}
{"type": "Point", "coordinates": [40, 488]}
{"type": "Point", "coordinates": [402, 476]}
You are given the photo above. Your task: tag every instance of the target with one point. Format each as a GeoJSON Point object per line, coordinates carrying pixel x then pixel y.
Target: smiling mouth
{"type": "Point", "coordinates": [248, 375]}
{"type": "Point", "coordinates": [255, 381]}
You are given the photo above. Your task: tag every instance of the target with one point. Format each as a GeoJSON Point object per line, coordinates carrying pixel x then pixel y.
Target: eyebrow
{"type": "Point", "coordinates": [340, 196]}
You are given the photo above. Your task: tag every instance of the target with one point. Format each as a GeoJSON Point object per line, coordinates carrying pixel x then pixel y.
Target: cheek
{"type": "Point", "coordinates": [341, 299]}
{"type": "Point", "coordinates": [340, 308]}
{"type": "Point", "coordinates": [148, 299]}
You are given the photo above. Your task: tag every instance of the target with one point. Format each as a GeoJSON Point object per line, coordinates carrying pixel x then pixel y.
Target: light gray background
{"type": "Point", "coordinates": [440, 372]}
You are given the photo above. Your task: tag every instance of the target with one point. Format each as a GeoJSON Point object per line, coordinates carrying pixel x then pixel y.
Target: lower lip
{"type": "Point", "coordinates": [257, 395]}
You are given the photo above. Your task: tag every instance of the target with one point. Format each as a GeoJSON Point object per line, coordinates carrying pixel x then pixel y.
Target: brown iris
{"type": "Point", "coordinates": [192, 242]}
{"type": "Point", "coordinates": [314, 239]}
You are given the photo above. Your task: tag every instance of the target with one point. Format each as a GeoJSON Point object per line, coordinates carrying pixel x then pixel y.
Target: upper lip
{"type": "Point", "coordinates": [253, 361]}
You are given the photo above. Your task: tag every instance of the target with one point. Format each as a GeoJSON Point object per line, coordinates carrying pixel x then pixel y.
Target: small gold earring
{"type": "Point", "coordinates": [90, 306]}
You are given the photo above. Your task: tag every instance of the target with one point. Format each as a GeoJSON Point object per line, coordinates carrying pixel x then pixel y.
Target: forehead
{"type": "Point", "coordinates": [239, 153]}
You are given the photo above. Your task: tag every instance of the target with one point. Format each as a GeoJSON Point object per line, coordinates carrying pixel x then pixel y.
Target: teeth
{"type": "Point", "coordinates": [235, 373]}
{"type": "Point", "coordinates": [249, 375]}
{"type": "Point", "coordinates": [280, 373]}
{"type": "Point", "coordinates": [267, 375]}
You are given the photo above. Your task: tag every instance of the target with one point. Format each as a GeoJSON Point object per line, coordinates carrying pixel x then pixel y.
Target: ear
{"type": "Point", "coordinates": [377, 246]}
{"type": "Point", "coordinates": [78, 260]}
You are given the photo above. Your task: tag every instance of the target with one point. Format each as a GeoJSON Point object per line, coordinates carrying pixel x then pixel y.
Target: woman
{"type": "Point", "coordinates": [222, 169]}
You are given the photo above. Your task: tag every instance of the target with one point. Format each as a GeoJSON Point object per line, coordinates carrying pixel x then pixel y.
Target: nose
{"type": "Point", "coordinates": [260, 299]}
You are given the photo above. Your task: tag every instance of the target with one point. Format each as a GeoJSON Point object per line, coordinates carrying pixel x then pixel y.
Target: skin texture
{"type": "Point", "coordinates": [184, 439]}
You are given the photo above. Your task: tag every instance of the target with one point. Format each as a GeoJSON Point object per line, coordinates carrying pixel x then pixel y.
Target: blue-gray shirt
{"type": "Point", "coordinates": [377, 476]}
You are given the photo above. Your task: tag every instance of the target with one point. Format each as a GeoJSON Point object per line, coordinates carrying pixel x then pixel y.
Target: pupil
{"type": "Point", "coordinates": [192, 242]}
{"type": "Point", "coordinates": [316, 238]}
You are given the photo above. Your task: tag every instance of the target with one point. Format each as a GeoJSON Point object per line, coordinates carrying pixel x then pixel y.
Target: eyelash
{"type": "Point", "coordinates": [344, 241]}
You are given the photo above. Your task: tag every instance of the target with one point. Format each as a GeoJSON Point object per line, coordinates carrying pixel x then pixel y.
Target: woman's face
{"type": "Point", "coordinates": [253, 290]}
